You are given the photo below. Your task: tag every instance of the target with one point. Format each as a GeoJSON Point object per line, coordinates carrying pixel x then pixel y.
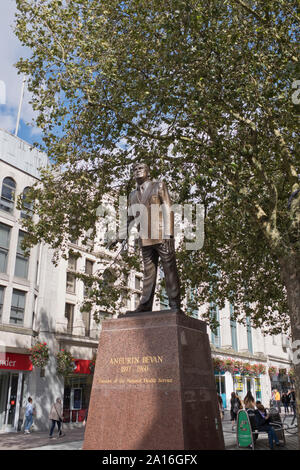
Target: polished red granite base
{"type": "Point", "coordinates": [153, 386]}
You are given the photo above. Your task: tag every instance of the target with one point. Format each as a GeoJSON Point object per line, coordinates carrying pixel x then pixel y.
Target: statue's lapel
{"type": "Point", "coordinates": [147, 192]}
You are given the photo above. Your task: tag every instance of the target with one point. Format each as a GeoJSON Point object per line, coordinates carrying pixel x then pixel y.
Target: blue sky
{"type": "Point", "coordinates": [10, 51]}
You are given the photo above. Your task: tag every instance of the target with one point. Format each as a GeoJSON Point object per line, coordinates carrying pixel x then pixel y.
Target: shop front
{"type": "Point", "coordinates": [244, 384]}
{"type": "Point", "coordinates": [13, 370]}
{"type": "Point", "coordinates": [77, 392]}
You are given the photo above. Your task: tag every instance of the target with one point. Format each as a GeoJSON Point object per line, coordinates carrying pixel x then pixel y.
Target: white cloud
{"type": "Point", "coordinates": [10, 51]}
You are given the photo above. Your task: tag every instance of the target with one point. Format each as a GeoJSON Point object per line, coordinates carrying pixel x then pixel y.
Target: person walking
{"type": "Point", "coordinates": [235, 406]}
{"type": "Point", "coordinates": [277, 399]}
{"type": "Point", "coordinates": [285, 400]}
{"type": "Point", "coordinates": [56, 416]}
{"type": "Point", "coordinates": [292, 398]}
{"type": "Point", "coordinates": [28, 416]}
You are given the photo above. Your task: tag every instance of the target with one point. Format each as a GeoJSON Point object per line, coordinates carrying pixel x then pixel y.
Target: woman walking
{"type": "Point", "coordinates": [235, 406]}
{"type": "Point", "coordinates": [56, 416]}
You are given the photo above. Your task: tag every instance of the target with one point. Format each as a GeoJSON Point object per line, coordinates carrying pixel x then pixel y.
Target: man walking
{"type": "Point", "coordinates": [277, 399]}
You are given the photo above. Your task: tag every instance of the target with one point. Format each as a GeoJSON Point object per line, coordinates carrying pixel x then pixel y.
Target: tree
{"type": "Point", "coordinates": [206, 93]}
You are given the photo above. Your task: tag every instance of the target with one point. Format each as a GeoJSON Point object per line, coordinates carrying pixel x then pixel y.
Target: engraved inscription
{"type": "Point", "coordinates": [128, 367]}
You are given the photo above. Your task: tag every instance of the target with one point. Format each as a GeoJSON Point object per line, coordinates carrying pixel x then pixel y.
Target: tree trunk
{"type": "Point", "coordinates": [290, 270]}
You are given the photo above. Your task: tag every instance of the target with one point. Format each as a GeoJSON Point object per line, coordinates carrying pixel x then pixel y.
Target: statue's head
{"type": "Point", "coordinates": [141, 171]}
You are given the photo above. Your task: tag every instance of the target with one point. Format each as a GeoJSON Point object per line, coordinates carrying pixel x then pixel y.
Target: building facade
{"type": "Point", "coordinates": [41, 302]}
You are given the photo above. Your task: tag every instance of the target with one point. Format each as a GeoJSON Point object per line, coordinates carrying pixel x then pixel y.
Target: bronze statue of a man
{"type": "Point", "coordinates": [150, 205]}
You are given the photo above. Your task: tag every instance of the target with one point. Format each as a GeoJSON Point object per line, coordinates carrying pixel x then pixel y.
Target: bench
{"type": "Point", "coordinates": [247, 432]}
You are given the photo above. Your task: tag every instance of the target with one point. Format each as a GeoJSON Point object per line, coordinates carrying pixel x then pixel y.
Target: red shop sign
{"type": "Point", "coordinates": [82, 366]}
{"type": "Point", "coordinates": [13, 361]}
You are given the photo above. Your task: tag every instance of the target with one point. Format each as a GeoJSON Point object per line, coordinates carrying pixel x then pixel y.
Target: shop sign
{"type": "Point", "coordinates": [244, 432]}
{"type": "Point", "coordinates": [13, 361]}
{"type": "Point", "coordinates": [82, 366]}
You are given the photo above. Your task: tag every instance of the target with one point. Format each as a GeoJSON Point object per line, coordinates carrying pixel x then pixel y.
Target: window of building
{"type": "Point", "coordinates": [8, 195]}
{"type": "Point", "coordinates": [71, 279]}
{"type": "Point", "coordinates": [34, 311]}
{"type": "Point", "coordinates": [22, 261]}
{"type": "Point", "coordinates": [1, 301]}
{"type": "Point", "coordinates": [89, 267]}
{"type": "Point", "coordinates": [249, 334]}
{"type": "Point", "coordinates": [4, 246]}
{"type": "Point", "coordinates": [233, 329]}
{"type": "Point", "coordinates": [69, 315]}
{"type": "Point", "coordinates": [17, 307]}
{"type": "Point", "coordinates": [86, 318]}
{"type": "Point", "coordinates": [27, 211]}
{"type": "Point", "coordinates": [215, 332]}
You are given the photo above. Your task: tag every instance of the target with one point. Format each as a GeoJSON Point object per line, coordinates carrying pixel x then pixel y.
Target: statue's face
{"type": "Point", "coordinates": [140, 171]}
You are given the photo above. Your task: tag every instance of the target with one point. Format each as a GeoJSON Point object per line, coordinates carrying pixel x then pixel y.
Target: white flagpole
{"type": "Point", "coordinates": [20, 106]}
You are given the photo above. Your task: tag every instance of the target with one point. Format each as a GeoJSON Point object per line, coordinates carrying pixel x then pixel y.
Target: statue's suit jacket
{"type": "Point", "coordinates": [152, 211]}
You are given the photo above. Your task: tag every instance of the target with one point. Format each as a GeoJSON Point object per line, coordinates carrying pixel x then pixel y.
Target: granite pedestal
{"type": "Point", "coordinates": [153, 386]}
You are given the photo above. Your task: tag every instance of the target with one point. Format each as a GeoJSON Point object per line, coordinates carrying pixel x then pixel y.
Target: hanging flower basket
{"type": "Point", "coordinates": [65, 363]}
{"type": "Point", "coordinates": [39, 355]}
{"type": "Point", "coordinates": [238, 367]}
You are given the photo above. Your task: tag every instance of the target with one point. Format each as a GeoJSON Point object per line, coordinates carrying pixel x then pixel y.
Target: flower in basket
{"type": "Point", "coordinates": [272, 370]}
{"type": "Point", "coordinates": [282, 372]}
{"type": "Point", "coordinates": [246, 369]}
{"type": "Point", "coordinates": [65, 363]}
{"type": "Point", "coordinates": [261, 369]}
{"type": "Point", "coordinates": [229, 365]}
{"type": "Point", "coordinates": [39, 355]}
{"type": "Point", "coordinates": [238, 367]}
{"type": "Point", "coordinates": [92, 365]}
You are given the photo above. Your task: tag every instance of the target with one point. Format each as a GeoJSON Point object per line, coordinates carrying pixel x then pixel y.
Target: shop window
{"type": "Point", "coordinates": [22, 260]}
{"type": "Point", "coordinates": [17, 307]}
{"type": "Point", "coordinates": [26, 211]}
{"type": "Point", "coordinates": [220, 385]}
{"type": "Point", "coordinates": [4, 246]}
{"type": "Point", "coordinates": [76, 399]}
{"type": "Point", "coordinates": [1, 301]}
{"type": "Point", "coordinates": [8, 195]}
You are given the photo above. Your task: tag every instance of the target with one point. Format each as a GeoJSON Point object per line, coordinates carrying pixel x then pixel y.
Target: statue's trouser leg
{"type": "Point", "coordinates": [168, 260]}
{"type": "Point", "coordinates": [150, 260]}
